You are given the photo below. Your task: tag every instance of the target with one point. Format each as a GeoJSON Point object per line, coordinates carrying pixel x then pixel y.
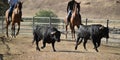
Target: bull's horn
{"type": "Point", "coordinates": [101, 27]}
{"type": "Point", "coordinates": [53, 32]}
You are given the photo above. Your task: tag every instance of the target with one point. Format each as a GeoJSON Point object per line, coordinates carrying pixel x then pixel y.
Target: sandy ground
{"type": "Point", "coordinates": [21, 48]}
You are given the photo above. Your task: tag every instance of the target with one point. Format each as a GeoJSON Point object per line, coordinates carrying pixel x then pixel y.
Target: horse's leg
{"type": "Point", "coordinates": [72, 30]}
{"type": "Point", "coordinates": [13, 28]}
{"type": "Point", "coordinates": [7, 24]}
{"type": "Point", "coordinates": [7, 30]}
{"type": "Point", "coordinates": [66, 30]}
{"type": "Point", "coordinates": [18, 28]}
{"type": "Point", "coordinates": [14, 31]}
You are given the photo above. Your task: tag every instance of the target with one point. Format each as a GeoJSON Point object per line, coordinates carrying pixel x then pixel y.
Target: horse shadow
{"type": "Point", "coordinates": [3, 40]}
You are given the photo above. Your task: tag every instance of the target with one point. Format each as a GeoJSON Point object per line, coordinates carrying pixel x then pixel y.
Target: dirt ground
{"type": "Point", "coordinates": [21, 48]}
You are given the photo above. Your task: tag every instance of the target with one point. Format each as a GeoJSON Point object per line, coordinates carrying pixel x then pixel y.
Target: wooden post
{"type": "Point", "coordinates": [33, 23]}
{"type": "Point", "coordinates": [2, 24]}
{"type": "Point", "coordinates": [108, 32]}
{"type": "Point", "coordinates": [107, 23]}
{"type": "Point", "coordinates": [50, 21]}
{"type": "Point", "coordinates": [86, 21]}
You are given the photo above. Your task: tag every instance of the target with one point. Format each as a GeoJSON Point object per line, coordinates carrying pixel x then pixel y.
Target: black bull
{"type": "Point", "coordinates": [47, 34]}
{"type": "Point", "coordinates": [94, 32]}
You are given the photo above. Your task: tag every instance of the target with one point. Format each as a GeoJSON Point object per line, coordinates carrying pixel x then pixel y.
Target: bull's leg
{"type": "Point", "coordinates": [44, 45]}
{"type": "Point", "coordinates": [35, 37]}
{"type": "Point", "coordinates": [98, 43]}
{"type": "Point", "coordinates": [37, 46]}
{"type": "Point", "coordinates": [53, 46]}
{"type": "Point", "coordinates": [95, 45]}
{"type": "Point", "coordinates": [78, 42]}
{"type": "Point", "coordinates": [84, 43]}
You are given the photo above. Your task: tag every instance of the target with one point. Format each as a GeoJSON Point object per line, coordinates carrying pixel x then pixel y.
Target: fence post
{"type": "Point", "coordinates": [33, 23]}
{"type": "Point", "coordinates": [108, 32]}
{"type": "Point", "coordinates": [86, 21]}
{"type": "Point", "coordinates": [2, 23]}
{"type": "Point", "coordinates": [107, 22]}
{"type": "Point", "coordinates": [50, 21]}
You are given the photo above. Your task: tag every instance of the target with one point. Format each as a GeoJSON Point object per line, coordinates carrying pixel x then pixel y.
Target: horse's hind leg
{"type": "Point", "coordinates": [7, 24]}
{"type": "Point", "coordinates": [13, 30]}
{"type": "Point", "coordinates": [18, 29]}
{"type": "Point", "coordinates": [66, 30]}
{"type": "Point", "coordinates": [74, 33]}
{"type": "Point", "coordinates": [7, 30]}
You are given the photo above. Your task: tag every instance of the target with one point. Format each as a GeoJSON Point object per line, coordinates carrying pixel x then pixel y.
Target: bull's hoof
{"type": "Point", "coordinates": [86, 50]}
{"type": "Point", "coordinates": [42, 47]}
{"type": "Point", "coordinates": [76, 48]}
{"type": "Point", "coordinates": [96, 50]}
{"type": "Point", "coordinates": [54, 50]}
{"type": "Point", "coordinates": [38, 49]}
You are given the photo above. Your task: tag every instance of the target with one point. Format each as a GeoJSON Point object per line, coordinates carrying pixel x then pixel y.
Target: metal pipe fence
{"type": "Point", "coordinates": [30, 22]}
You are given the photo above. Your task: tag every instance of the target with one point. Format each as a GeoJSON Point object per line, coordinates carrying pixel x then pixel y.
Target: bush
{"type": "Point", "coordinates": [45, 13]}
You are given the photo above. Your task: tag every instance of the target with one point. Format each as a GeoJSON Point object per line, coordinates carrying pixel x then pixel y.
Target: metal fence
{"type": "Point", "coordinates": [30, 22]}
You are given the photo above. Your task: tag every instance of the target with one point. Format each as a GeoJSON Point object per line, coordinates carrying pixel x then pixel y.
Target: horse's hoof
{"type": "Point", "coordinates": [42, 47]}
{"type": "Point", "coordinates": [38, 49]}
{"type": "Point", "coordinates": [54, 50]}
{"type": "Point", "coordinates": [9, 22]}
{"type": "Point", "coordinates": [76, 48]}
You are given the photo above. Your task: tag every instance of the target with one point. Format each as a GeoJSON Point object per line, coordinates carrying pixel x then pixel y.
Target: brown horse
{"type": "Point", "coordinates": [15, 18]}
{"type": "Point", "coordinates": [74, 21]}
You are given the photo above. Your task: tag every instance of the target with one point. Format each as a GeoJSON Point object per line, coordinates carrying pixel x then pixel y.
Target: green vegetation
{"type": "Point", "coordinates": [45, 13]}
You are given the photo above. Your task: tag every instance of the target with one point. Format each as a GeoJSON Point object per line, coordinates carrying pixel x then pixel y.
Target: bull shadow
{"type": "Point", "coordinates": [68, 40]}
{"type": "Point", "coordinates": [70, 51]}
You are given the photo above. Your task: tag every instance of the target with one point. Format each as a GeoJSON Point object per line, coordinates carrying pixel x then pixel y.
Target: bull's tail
{"type": "Point", "coordinates": [33, 38]}
{"type": "Point", "coordinates": [33, 41]}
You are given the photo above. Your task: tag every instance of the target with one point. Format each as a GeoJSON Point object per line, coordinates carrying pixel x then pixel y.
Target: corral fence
{"type": "Point", "coordinates": [30, 22]}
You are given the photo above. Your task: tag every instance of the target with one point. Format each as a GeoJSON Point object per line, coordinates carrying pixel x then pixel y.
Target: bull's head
{"type": "Point", "coordinates": [56, 35]}
{"type": "Point", "coordinates": [105, 32]}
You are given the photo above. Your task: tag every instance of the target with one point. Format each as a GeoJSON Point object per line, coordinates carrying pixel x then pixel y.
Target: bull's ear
{"type": "Point", "coordinates": [53, 32]}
